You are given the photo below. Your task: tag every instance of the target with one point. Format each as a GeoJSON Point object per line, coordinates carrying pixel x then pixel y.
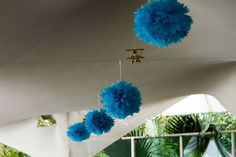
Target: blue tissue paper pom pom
{"type": "Point", "coordinates": [98, 122]}
{"type": "Point", "coordinates": [121, 99]}
{"type": "Point", "coordinates": [78, 132]}
{"type": "Point", "coordinates": [162, 22]}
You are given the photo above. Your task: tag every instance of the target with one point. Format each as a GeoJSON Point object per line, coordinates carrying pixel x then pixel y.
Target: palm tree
{"type": "Point", "coordinates": [193, 146]}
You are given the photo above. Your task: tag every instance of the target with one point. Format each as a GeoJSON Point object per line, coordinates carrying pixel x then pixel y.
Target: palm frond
{"type": "Point", "coordinates": [223, 142]}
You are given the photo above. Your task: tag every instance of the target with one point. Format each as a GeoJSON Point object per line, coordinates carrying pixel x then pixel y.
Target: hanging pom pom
{"type": "Point", "coordinates": [121, 99]}
{"type": "Point", "coordinates": [98, 122]}
{"type": "Point", "coordinates": [162, 22]}
{"type": "Point", "coordinates": [78, 132]}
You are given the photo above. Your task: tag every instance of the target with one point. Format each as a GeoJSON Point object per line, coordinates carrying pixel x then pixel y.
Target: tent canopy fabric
{"type": "Point", "coordinates": [199, 103]}
{"type": "Point", "coordinates": [55, 56]}
{"type": "Point", "coordinates": [52, 141]}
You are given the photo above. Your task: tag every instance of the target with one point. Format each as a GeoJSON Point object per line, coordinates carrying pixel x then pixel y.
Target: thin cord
{"type": "Point", "coordinates": [99, 102]}
{"type": "Point", "coordinates": [120, 69]}
{"type": "Point", "coordinates": [135, 43]}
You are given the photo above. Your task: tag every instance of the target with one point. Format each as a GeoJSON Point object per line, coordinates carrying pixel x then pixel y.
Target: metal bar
{"type": "Point", "coordinates": [133, 147]}
{"type": "Point", "coordinates": [181, 150]}
{"type": "Point", "coordinates": [232, 144]}
{"type": "Point", "coordinates": [177, 135]}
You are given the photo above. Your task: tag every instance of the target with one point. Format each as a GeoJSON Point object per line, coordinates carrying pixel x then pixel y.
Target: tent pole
{"type": "Point", "coordinates": [181, 152]}
{"type": "Point", "coordinates": [232, 144]}
{"type": "Point", "coordinates": [133, 147]}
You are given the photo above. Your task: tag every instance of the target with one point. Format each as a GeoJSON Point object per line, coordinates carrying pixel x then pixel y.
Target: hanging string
{"type": "Point", "coordinates": [120, 69]}
{"type": "Point", "coordinates": [135, 43]}
{"type": "Point", "coordinates": [99, 101]}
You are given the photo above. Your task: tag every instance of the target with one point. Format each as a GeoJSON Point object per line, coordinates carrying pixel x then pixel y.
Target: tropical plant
{"type": "Point", "coordinates": [6, 151]}
{"type": "Point", "coordinates": [101, 154]}
{"type": "Point", "coordinates": [145, 147]}
{"type": "Point", "coordinates": [220, 121]}
{"type": "Point", "coordinates": [194, 146]}
{"type": "Point", "coordinates": [182, 124]}
{"type": "Point", "coordinates": [223, 142]}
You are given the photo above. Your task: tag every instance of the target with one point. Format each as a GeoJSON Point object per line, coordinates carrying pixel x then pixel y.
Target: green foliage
{"type": "Point", "coordinates": [169, 146]}
{"type": "Point", "coordinates": [6, 151]}
{"type": "Point", "coordinates": [182, 124]}
{"type": "Point", "coordinates": [144, 147]}
{"type": "Point", "coordinates": [101, 154]}
{"type": "Point", "coordinates": [223, 142]}
{"type": "Point", "coordinates": [120, 146]}
{"type": "Point", "coordinates": [196, 146]}
{"type": "Point", "coordinates": [221, 121]}
{"type": "Point", "coordinates": [139, 131]}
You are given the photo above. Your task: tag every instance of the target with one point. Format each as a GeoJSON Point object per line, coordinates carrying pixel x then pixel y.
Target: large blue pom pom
{"type": "Point", "coordinates": [162, 22]}
{"type": "Point", "coordinates": [121, 99]}
{"type": "Point", "coordinates": [78, 132]}
{"type": "Point", "coordinates": [98, 122]}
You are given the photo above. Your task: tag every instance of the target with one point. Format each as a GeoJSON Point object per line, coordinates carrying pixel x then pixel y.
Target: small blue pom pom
{"type": "Point", "coordinates": [162, 22]}
{"type": "Point", "coordinates": [78, 132]}
{"type": "Point", "coordinates": [98, 122]}
{"type": "Point", "coordinates": [121, 99]}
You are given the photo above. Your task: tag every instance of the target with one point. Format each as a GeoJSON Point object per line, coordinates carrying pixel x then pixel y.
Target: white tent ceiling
{"type": "Point", "coordinates": [56, 55]}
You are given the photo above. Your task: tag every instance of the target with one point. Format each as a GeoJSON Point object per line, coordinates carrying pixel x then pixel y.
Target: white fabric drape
{"type": "Point", "coordinates": [37, 142]}
{"type": "Point", "coordinates": [198, 103]}
{"type": "Point", "coordinates": [52, 141]}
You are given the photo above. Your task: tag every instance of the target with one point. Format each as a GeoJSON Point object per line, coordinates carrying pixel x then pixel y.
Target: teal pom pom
{"type": "Point", "coordinates": [78, 132]}
{"type": "Point", "coordinates": [98, 122]}
{"type": "Point", "coordinates": [121, 99]}
{"type": "Point", "coordinates": [162, 22]}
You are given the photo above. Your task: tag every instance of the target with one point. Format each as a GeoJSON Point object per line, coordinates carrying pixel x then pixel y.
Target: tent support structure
{"type": "Point", "coordinates": [181, 150]}
{"type": "Point", "coordinates": [181, 140]}
{"type": "Point", "coordinates": [232, 143]}
{"type": "Point", "coordinates": [133, 147]}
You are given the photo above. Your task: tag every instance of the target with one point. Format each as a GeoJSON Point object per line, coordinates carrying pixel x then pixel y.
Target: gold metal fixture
{"type": "Point", "coordinates": [135, 55]}
{"type": "Point", "coordinates": [46, 120]}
